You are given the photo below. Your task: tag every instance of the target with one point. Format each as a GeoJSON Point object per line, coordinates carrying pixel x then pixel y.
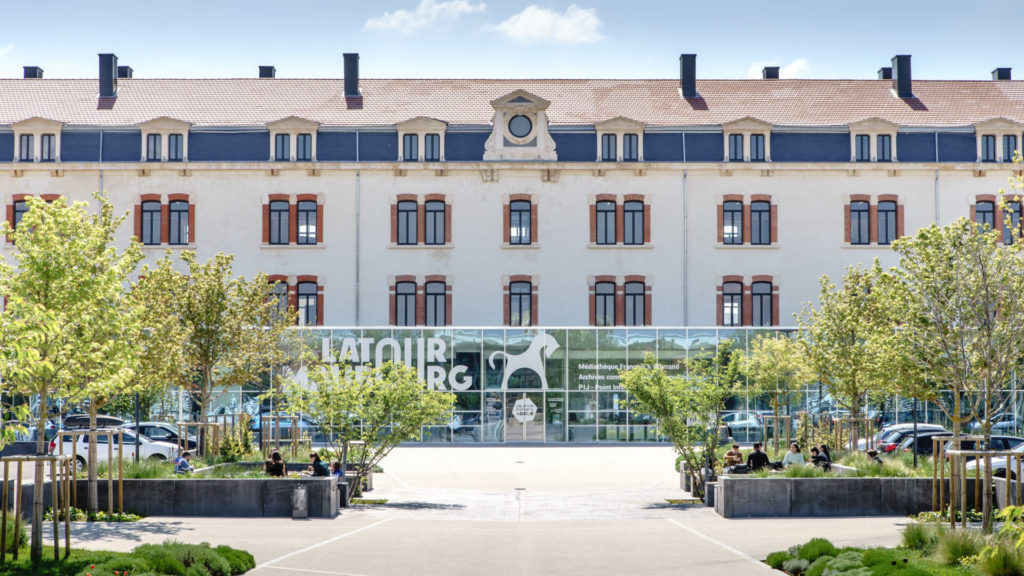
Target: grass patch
{"type": "Point", "coordinates": [368, 501]}
{"type": "Point", "coordinates": [683, 501]}
{"type": "Point", "coordinates": [100, 516]}
{"type": "Point", "coordinates": [872, 562]}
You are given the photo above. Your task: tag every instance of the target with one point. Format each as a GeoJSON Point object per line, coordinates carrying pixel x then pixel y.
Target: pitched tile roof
{"type": "Point", "coordinates": [248, 102]}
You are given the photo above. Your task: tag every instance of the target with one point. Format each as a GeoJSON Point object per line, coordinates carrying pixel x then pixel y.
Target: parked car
{"type": "Point", "coordinates": [307, 427]}
{"type": "Point", "coordinates": [1003, 423]}
{"type": "Point", "coordinates": [164, 432]}
{"type": "Point", "coordinates": [81, 422]}
{"type": "Point", "coordinates": [888, 439]}
{"type": "Point", "coordinates": [998, 465]}
{"type": "Point", "coordinates": [998, 443]}
{"type": "Point", "coordinates": [924, 442]}
{"type": "Point", "coordinates": [147, 448]}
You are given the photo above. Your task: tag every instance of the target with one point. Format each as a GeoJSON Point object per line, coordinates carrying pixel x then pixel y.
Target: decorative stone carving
{"type": "Point", "coordinates": [520, 129]}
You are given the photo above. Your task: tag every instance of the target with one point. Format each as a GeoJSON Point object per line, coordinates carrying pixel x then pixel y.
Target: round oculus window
{"type": "Point", "coordinates": [520, 126]}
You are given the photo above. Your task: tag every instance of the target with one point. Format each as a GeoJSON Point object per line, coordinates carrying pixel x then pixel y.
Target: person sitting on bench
{"type": "Point", "coordinates": [757, 459]}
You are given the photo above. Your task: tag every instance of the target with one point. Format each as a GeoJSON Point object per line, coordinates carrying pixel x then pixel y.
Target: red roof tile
{"type": "Point", "coordinates": [241, 102]}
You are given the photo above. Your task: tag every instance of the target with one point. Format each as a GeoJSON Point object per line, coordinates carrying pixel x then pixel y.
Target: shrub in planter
{"type": "Point", "coordinates": [958, 544]}
{"type": "Point", "coordinates": [776, 559]}
{"type": "Point", "coordinates": [239, 560]}
{"type": "Point", "coordinates": [796, 566]}
{"type": "Point", "coordinates": [815, 548]}
{"type": "Point", "coordinates": [922, 536]}
{"type": "Point", "coordinates": [817, 568]}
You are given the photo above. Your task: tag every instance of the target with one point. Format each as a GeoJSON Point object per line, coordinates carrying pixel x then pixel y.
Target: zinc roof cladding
{"type": "Point", "coordinates": [255, 101]}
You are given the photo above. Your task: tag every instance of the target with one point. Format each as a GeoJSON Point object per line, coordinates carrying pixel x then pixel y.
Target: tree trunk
{"type": "Point", "coordinates": [40, 476]}
{"type": "Point", "coordinates": [93, 505]}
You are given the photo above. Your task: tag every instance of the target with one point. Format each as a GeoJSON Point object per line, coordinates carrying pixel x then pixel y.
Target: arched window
{"type": "Point", "coordinates": [21, 208]}
{"type": "Point", "coordinates": [635, 312]}
{"type": "Point", "coordinates": [519, 304]}
{"type": "Point", "coordinates": [279, 299]}
{"type": "Point", "coordinates": [859, 223]}
{"type": "Point", "coordinates": [732, 304]}
{"type": "Point", "coordinates": [886, 222]}
{"type": "Point", "coordinates": [604, 304]}
{"type": "Point", "coordinates": [407, 222]}
{"type": "Point", "coordinates": [306, 222]}
{"type": "Point", "coordinates": [405, 304]}
{"type": "Point", "coordinates": [762, 302]}
{"type": "Point", "coordinates": [760, 223]}
{"type": "Point", "coordinates": [606, 222]}
{"type": "Point", "coordinates": [519, 222]}
{"type": "Point", "coordinates": [279, 222]}
{"type": "Point", "coordinates": [985, 214]}
{"type": "Point", "coordinates": [732, 223]}
{"type": "Point", "coordinates": [633, 222]}
{"type": "Point", "coordinates": [178, 222]}
{"type": "Point", "coordinates": [1011, 222]}
{"type": "Point", "coordinates": [435, 222]}
{"type": "Point", "coordinates": [435, 304]}
{"type": "Point", "coordinates": [306, 292]}
{"type": "Point", "coordinates": [150, 222]}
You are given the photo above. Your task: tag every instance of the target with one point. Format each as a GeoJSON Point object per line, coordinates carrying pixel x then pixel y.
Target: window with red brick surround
{"type": "Point", "coordinates": [165, 216]}
{"type": "Point", "coordinates": [748, 238]}
{"type": "Point", "coordinates": [872, 216]}
{"type": "Point", "coordinates": [620, 298]}
{"type": "Point", "coordinates": [294, 297]}
{"type": "Point", "coordinates": [620, 224]}
{"type": "Point", "coordinates": [507, 303]}
{"type": "Point", "coordinates": [421, 298]}
{"type": "Point", "coordinates": [506, 221]}
{"type": "Point", "coordinates": [992, 211]}
{"type": "Point", "coordinates": [293, 217]}
{"type": "Point", "coordinates": [747, 301]}
{"type": "Point", "coordinates": [421, 217]}
{"type": "Point", "coordinates": [15, 198]}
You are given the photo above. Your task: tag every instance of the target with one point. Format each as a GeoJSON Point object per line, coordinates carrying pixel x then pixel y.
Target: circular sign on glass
{"type": "Point", "coordinates": [520, 126]}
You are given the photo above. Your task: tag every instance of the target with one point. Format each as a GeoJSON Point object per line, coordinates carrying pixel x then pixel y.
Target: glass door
{"type": "Point", "coordinates": [524, 417]}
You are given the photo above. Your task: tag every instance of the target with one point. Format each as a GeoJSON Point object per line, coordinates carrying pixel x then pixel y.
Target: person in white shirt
{"type": "Point", "coordinates": [794, 456]}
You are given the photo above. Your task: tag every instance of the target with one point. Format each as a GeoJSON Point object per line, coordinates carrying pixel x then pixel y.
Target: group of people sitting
{"type": "Point", "coordinates": [276, 466]}
{"type": "Point", "coordinates": [758, 459]}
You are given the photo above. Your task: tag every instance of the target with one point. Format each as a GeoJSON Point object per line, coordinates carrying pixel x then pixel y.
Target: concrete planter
{"type": "Point", "coordinates": [744, 497]}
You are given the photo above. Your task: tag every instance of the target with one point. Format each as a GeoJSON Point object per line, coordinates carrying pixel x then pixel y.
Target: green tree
{"type": "Point", "coordinates": [378, 407]}
{"type": "Point", "coordinates": [231, 326]}
{"type": "Point", "coordinates": [687, 406]}
{"type": "Point", "coordinates": [775, 366]}
{"type": "Point", "coordinates": [837, 336]}
{"type": "Point", "coordinates": [66, 291]}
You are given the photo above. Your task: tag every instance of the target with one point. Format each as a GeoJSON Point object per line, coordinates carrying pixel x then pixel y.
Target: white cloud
{"type": "Point", "coordinates": [535, 24]}
{"type": "Point", "coordinates": [794, 69]}
{"type": "Point", "coordinates": [426, 14]}
{"type": "Point", "coordinates": [4, 51]}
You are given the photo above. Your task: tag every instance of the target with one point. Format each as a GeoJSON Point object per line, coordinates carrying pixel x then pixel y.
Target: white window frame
{"type": "Point", "coordinates": [747, 126]}
{"type": "Point", "coordinates": [873, 128]}
{"type": "Point", "coordinates": [164, 126]}
{"type": "Point", "coordinates": [997, 127]}
{"type": "Point", "coordinates": [37, 127]}
{"type": "Point", "coordinates": [292, 126]}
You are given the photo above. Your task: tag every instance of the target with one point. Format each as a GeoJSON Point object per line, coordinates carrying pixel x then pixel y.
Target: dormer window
{"type": "Point", "coordinates": [746, 140]}
{"type": "Point", "coordinates": [26, 148]}
{"type": "Point", "coordinates": [520, 129]}
{"type": "Point", "coordinates": [37, 140]}
{"type": "Point", "coordinates": [997, 139]}
{"type": "Point", "coordinates": [871, 140]}
{"type": "Point", "coordinates": [163, 140]}
{"type": "Point", "coordinates": [293, 139]}
{"type": "Point", "coordinates": [619, 140]}
{"type": "Point", "coordinates": [421, 140]}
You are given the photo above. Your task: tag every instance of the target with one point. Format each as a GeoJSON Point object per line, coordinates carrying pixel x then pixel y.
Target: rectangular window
{"type": "Point", "coordinates": [153, 148]}
{"type": "Point", "coordinates": [306, 222]}
{"type": "Point", "coordinates": [307, 303]}
{"type": "Point", "coordinates": [405, 304]}
{"type": "Point", "coordinates": [859, 223]}
{"type": "Point", "coordinates": [762, 302]}
{"type": "Point", "coordinates": [757, 147]}
{"type": "Point", "coordinates": [633, 222]}
{"type": "Point", "coordinates": [735, 147]}
{"type": "Point", "coordinates": [410, 148]}
{"type": "Point", "coordinates": [519, 222]}
{"type": "Point", "coordinates": [630, 148]}
{"type": "Point", "coordinates": [1011, 222]}
{"type": "Point", "coordinates": [519, 304]}
{"type": "Point", "coordinates": [886, 222]}
{"type": "Point", "coordinates": [634, 304]}
{"type": "Point", "coordinates": [604, 304]}
{"type": "Point", "coordinates": [883, 148]}
{"type": "Point", "coordinates": [760, 223]}
{"type": "Point", "coordinates": [48, 148]}
{"type": "Point", "coordinates": [151, 223]}
{"type": "Point", "coordinates": [174, 147]}
{"type": "Point", "coordinates": [20, 209]}
{"type": "Point", "coordinates": [407, 222]}
{"type": "Point", "coordinates": [279, 300]}
{"type": "Point", "coordinates": [25, 148]}
{"type": "Point", "coordinates": [435, 222]}
{"type": "Point", "coordinates": [985, 214]}
{"type": "Point", "coordinates": [435, 303]}
{"type": "Point", "coordinates": [988, 148]}
{"type": "Point", "coordinates": [732, 223]}
{"type": "Point", "coordinates": [605, 222]}
{"type": "Point", "coordinates": [432, 147]}
{"type": "Point", "coordinates": [282, 147]}
{"type": "Point", "coordinates": [178, 223]}
{"type": "Point", "coordinates": [732, 298]}
{"type": "Point", "coordinates": [608, 148]}
{"type": "Point", "coordinates": [1009, 147]}
{"type": "Point", "coordinates": [279, 221]}
{"type": "Point", "coordinates": [863, 142]}
{"type": "Point", "coordinates": [304, 147]}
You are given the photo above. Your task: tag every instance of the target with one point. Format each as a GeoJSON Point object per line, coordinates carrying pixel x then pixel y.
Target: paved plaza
{"type": "Point", "coordinates": [510, 511]}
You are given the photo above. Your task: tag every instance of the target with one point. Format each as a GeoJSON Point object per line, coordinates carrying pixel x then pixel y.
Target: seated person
{"type": "Point", "coordinates": [317, 466]}
{"type": "Point", "coordinates": [336, 469]}
{"type": "Point", "coordinates": [733, 456]}
{"type": "Point", "coordinates": [819, 459]}
{"type": "Point", "coordinates": [794, 456]}
{"type": "Point", "coordinates": [757, 459]}
{"type": "Point", "coordinates": [275, 465]}
{"type": "Point", "coordinates": [873, 457]}
{"type": "Point", "coordinates": [182, 465]}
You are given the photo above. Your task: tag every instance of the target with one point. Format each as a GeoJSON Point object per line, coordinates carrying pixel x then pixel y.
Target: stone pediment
{"type": "Point", "coordinates": [293, 123]}
{"type": "Point", "coordinates": [747, 123]}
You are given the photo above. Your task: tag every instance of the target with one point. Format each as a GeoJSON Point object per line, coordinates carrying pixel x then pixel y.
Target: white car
{"type": "Point", "coordinates": [147, 448]}
{"type": "Point", "coordinates": [998, 465]}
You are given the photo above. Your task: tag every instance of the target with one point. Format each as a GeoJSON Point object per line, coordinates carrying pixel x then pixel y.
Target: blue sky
{"type": "Point", "coordinates": [504, 38]}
